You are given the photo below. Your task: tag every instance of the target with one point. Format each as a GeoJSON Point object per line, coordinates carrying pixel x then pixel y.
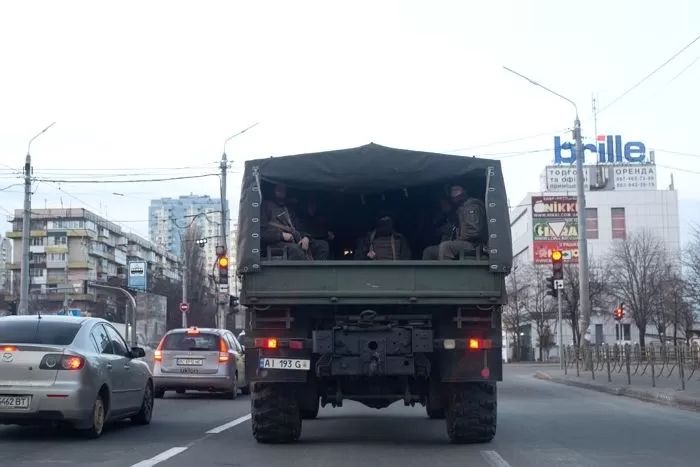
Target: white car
{"type": "Point", "coordinates": [200, 360]}
{"type": "Point", "coordinates": [72, 370]}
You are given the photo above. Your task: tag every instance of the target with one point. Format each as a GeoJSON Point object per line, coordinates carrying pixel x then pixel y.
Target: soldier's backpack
{"type": "Point", "coordinates": [473, 221]}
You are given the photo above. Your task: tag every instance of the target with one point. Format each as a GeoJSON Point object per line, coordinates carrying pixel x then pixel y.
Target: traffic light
{"type": "Point", "coordinates": [222, 266]}
{"type": "Point", "coordinates": [619, 312]}
{"type": "Point", "coordinates": [551, 291]}
{"type": "Point", "coordinates": [557, 265]}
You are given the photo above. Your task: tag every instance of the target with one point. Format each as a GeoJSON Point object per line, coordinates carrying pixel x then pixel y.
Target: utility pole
{"type": "Point", "coordinates": [581, 209]}
{"type": "Point", "coordinates": [561, 330]}
{"type": "Point", "coordinates": [185, 272]}
{"type": "Point", "coordinates": [223, 292]}
{"type": "Point", "coordinates": [26, 224]}
{"type": "Point", "coordinates": [583, 282]}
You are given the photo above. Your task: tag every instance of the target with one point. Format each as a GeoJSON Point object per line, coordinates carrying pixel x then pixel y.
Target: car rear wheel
{"type": "Point", "coordinates": [98, 419]}
{"type": "Point", "coordinates": [233, 392]}
{"type": "Point", "coordinates": [146, 413]}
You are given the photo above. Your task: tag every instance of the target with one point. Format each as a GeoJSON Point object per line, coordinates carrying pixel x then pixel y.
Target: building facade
{"type": "Point", "coordinates": [5, 261]}
{"type": "Point", "coordinates": [71, 246]}
{"type": "Point", "coordinates": [169, 218]}
{"type": "Point", "coordinates": [621, 200]}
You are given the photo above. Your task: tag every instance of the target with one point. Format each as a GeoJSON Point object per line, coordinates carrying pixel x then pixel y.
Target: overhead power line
{"type": "Point", "coordinates": [187, 177]}
{"type": "Point", "coordinates": [513, 140]}
{"type": "Point", "coordinates": [638, 83]}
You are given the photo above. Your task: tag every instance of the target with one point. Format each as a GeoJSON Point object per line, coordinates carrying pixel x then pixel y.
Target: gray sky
{"type": "Point", "coordinates": [144, 86]}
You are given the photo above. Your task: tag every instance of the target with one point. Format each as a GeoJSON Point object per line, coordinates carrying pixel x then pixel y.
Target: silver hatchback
{"type": "Point", "coordinates": [201, 360]}
{"type": "Point", "coordinates": [74, 370]}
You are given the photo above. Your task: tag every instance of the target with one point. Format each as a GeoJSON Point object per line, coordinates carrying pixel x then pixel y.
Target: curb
{"type": "Point", "coordinates": [656, 397]}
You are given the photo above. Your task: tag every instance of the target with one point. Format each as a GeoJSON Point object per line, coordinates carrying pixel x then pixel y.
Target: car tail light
{"type": "Point", "coordinates": [9, 348]}
{"type": "Point", "coordinates": [475, 344]}
{"type": "Point", "coordinates": [223, 351]}
{"type": "Point", "coordinates": [61, 362]}
{"type": "Point", "coordinates": [158, 354]}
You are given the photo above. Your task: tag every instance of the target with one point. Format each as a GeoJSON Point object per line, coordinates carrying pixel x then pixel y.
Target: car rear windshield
{"type": "Point", "coordinates": [38, 332]}
{"type": "Point", "coordinates": [183, 341]}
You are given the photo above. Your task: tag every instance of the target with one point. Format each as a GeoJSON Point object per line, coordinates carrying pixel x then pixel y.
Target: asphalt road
{"type": "Point", "coordinates": [540, 424]}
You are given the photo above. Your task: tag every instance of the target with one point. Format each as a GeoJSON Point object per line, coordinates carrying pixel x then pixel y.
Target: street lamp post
{"type": "Point", "coordinates": [584, 296]}
{"type": "Point", "coordinates": [26, 223]}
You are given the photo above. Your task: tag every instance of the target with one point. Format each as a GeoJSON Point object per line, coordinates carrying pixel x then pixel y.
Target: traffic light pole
{"type": "Point", "coordinates": [561, 337]}
{"type": "Point", "coordinates": [221, 310]}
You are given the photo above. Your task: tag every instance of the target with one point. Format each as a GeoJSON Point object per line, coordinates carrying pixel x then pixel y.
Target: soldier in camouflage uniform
{"type": "Point", "coordinates": [315, 227]}
{"type": "Point", "coordinates": [471, 226]}
{"type": "Point", "coordinates": [277, 227]}
{"type": "Point", "coordinates": [443, 228]}
{"type": "Point", "coordinates": [383, 243]}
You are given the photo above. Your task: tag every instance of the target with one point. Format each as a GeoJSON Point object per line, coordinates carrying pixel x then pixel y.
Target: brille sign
{"type": "Point", "coordinates": [610, 149]}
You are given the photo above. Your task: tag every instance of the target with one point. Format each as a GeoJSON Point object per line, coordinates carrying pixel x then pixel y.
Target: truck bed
{"type": "Point", "coordinates": [373, 282]}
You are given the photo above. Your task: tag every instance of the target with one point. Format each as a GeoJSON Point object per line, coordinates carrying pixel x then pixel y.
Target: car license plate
{"type": "Point", "coordinates": [190, 361]}
{"type": "Point", "coordinates": [188, 369]}
{"type": "Point", "coordinates": [285, 364]}
{"type": "Point", "coordinates": [14, 402]}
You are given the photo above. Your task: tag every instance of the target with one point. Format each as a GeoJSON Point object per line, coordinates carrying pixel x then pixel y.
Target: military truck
{"type": "Point", "coordinates": [376, 332]}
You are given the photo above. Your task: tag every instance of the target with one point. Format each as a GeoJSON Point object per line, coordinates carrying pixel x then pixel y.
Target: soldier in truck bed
{"type": "Point", "coordinates": [313, 225]}
{"type": "Point", "coordinates": [278, 227]}
{"type": "Point", "coordinates": [443, 228]}
{"type": "Point", "coordinates": [383, 243]}
{"type": "Point", "coordinates": [471, 225]}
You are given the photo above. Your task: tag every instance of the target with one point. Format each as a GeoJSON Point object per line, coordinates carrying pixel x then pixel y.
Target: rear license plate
{"type": "Point", "coordinates": [285, 364]}
{"type": "Point", "coordinates": [14, 402]}
{"type": "Point", "coordinates": [189, 370]}
{"type": "Point", "coordinates": [190, 361]}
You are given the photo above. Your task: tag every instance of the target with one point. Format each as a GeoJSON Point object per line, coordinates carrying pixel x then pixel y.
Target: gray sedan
{"type": "Point", "coordinates": [74, 370]}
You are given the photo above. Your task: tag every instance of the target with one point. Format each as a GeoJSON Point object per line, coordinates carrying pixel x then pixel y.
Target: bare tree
{"type": "Point", "coordinates": [598, 296]}
{"type": "Point", "coordinates": [639, 268]}
{"type": "Point", "coordinates": [691, 264]}
{"type": "Point", "coordinates": [514, 314]}
{"type": "Point", "coordinates": [540, 308]}
{"type": "Point", "coordinates": [200, 289]}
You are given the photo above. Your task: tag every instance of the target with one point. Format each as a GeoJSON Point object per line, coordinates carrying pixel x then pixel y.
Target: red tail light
{"type": "Point", "coordinates": [474, 344]}
{"type": "Point", "coordinates": [223, 351]}
{"type": "Point", "coordinates": [61, 362]}
{"type": "Point", "coordinates": [158, 354]}
{"type": "Point", "coordinates": [296, 345]}
{"type": "Point", "coordinates": [9, 348]}
{"type": "Point", "coordinates": [266, 343]}
{"type": "Point", "coordinates": [72, 363]}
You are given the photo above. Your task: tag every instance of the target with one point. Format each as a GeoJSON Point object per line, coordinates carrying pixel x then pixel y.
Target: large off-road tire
{"type": "Point", "coordinates": [311, 412]}
{"type": "Point", "coordinates": [471, 412]}
{"type": "Point", "coordinates": [435, 403]}
{"type": "Point", "coordinates": [275, 413]}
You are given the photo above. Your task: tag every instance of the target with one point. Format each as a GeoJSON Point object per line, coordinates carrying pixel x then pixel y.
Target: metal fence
{"type": "Point", "coordinates": [654, 361]}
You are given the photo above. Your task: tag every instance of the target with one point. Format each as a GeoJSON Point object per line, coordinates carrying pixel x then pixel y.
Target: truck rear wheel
{"type": "Point", "coordinates": [275, 413]}
{"type": "Point", "coordinates": [471, 412]}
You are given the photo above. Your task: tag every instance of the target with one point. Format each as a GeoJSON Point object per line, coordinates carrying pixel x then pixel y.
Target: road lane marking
{"type": "Point", "coordinates": [494, 459]}
{"type": "Point", "coordinates": [163, 456]}
{"type": "Point", "coordinates": [228, 425]}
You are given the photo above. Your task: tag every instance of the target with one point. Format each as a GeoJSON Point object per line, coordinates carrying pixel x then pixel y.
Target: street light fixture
{"type": "Point", "coordinates": [581, 208]}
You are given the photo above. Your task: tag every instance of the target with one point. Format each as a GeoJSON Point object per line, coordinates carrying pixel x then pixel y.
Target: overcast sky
{"type": "Point", "coordinates": [150, 86]}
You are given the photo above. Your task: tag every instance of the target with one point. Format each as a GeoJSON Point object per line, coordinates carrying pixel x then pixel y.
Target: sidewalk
{"type": "Point", "coordinates": [667, 391]}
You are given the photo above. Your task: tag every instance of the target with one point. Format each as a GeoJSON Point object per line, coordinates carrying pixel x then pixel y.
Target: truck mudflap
{"type": "Point", "coordinates": [373, 351]}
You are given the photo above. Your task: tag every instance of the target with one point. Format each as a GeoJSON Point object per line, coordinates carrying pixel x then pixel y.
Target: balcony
{"type": "Point", "coordinates": [79, 233]}
{"type": "Point", "coordinates": [56, 248]}
{"type": "Point", "coordinates": [55, 264]}
{"type": "Point", "coordinates": [78, 265]}
{"type": "Point", "coordinates": [37, 249]}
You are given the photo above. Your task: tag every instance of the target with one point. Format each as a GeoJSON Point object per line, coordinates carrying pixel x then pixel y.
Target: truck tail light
{"type": "Point", "coordinates": [475, 344]}
{"type": "Point", "coordinates": [266, 343]}
{"type": "Point", "coordinates": [223, 351]}
{"type": "Point", "coordinates": [296, 345]}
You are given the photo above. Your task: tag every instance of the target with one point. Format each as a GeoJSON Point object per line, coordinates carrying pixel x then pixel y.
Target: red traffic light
{"type": "Point", "coordinates": [619, 313]}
